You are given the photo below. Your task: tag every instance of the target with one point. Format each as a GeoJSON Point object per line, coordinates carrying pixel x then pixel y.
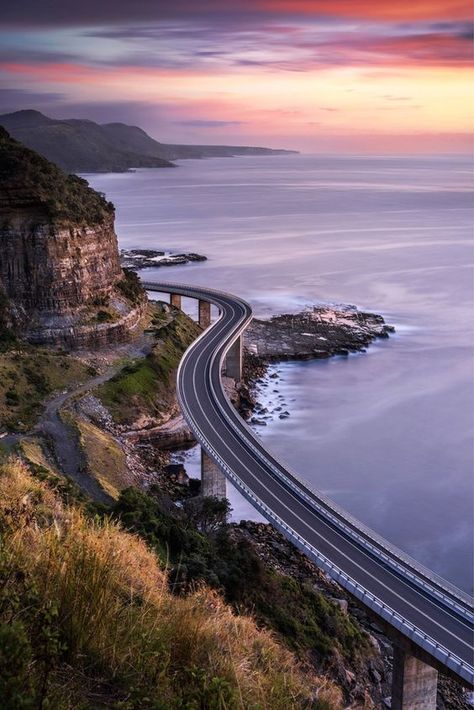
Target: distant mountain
{"type": "Point", "coordinates": [76, 145]}
{"type": "Point", "coordinates": [84, 146]}
{"type": "Point", "coordinates": [134, 138]}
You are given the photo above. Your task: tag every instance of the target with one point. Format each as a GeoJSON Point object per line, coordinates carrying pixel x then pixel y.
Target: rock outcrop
{"type": "Point", "coordinates": [318, 332]}
{"type": "Point", "coordinates": [59, 261]}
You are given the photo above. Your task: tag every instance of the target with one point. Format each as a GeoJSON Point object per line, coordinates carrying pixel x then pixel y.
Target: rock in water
{"type": "Point", "coordinates": [317, 332]}
{"type": "Point", "coordinates": [137, 259]}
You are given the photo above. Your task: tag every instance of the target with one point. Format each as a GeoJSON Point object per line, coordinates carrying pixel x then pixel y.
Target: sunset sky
{"type": "Point", "coordinates": [315, 75]}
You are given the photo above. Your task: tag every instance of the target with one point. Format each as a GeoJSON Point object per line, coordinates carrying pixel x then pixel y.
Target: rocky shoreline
{"type": "Point", "coordinates": [317, 332]}
{"type": "Point", "coordinates": [137, 259]}
{"type": "Point", "coordinates": [368, 685]}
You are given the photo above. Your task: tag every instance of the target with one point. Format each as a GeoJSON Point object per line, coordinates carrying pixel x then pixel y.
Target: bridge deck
{"type": "Point", "coordinates": [434, 615]}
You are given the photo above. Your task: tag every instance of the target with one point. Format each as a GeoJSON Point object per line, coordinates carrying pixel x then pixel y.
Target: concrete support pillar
{"type": "Point", "coordinates": [414, 683]}
{"type": "Point", "coordinates": [233, 360]}
{"type": "Point", "coordinates": [204, 314]}
{"type": "Point", "coordinates": [213, 481]}
{"type": "Point", "coordinates": [175, 300]}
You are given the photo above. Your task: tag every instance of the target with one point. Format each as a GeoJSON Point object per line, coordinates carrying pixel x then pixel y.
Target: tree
{"type": "Point", "coordinates": [207, 513]}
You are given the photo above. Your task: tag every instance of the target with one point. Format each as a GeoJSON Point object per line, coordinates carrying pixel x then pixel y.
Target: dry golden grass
{"type": "Point", "coordinates": [105, 459]}
{"type": "Point", "coordinates": [119, 621]}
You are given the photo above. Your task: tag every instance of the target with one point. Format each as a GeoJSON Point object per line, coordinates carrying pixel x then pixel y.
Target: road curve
{"type": "Point", "coordinates": [433, 614]}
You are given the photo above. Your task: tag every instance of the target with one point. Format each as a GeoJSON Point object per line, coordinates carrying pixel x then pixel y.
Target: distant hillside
{"type": "Point", "coordinates": [84, 146]}
{"type": "Point", "coordinates": [135, 139]}
{"type": "Point", "coordinates": [74, 145]}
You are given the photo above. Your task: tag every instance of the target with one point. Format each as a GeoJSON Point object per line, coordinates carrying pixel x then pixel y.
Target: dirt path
{"type": "Point", "coordinates": [61, 436]}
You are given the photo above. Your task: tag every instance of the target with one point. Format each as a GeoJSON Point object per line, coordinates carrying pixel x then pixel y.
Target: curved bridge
{"type": "Point", "coordinates": [435, 617]}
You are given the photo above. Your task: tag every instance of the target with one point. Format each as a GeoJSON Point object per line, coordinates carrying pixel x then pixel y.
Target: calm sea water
{"type": "Point", "coordinates": [388, 434]}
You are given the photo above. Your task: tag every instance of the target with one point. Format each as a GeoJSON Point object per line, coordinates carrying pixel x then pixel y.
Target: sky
{"type": "Point", "coordinates": [338, 76]}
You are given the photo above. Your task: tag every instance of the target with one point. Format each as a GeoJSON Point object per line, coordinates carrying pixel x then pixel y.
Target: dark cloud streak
{"type": "Point", "coordinates": [70, 13]}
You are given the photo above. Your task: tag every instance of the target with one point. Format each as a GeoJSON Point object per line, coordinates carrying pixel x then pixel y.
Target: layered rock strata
{"type": "Point", "coordinates": [59, 261]}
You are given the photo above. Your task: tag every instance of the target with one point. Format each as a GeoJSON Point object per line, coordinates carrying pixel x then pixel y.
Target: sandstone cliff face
{"type": "Point", "coordinates": [59, 259]}
{"type": "Point", "coordinates": [47, 267]}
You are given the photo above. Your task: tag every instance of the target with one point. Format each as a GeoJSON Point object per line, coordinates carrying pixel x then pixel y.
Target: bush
{"type": "Point", "coordinates": [303, 617]}
{"type": "Point", "coordinates": [104, 317]}
{"type": "Point", "coordinates": [131, 287]}
{"type": "Point", "coordinates": [15, 659]}
{"type": "Point", "coordinates": [85, 605]}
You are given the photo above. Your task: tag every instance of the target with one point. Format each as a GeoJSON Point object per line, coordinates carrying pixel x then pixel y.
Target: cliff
{"type": "Point", "coordinates": [84, 146]}
{"type": "Point", "coordinates": [59, 261]}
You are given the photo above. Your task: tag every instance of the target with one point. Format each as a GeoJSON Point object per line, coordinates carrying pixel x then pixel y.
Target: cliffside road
{"type": "Point", "coordinates": [434, 615]}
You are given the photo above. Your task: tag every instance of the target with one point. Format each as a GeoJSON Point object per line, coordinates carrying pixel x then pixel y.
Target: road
{"type": "Point", "coordinates": [436, 616]}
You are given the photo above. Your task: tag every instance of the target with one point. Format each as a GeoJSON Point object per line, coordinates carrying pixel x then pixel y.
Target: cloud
{"type": "Point", "coordinates": [57, 13]}
{"type": "Point", "coordinates": [209, 123]}
{"type": "Point", "coordinates": [16, 99]}
{"type": "Point", "coordinates": [200, 46]}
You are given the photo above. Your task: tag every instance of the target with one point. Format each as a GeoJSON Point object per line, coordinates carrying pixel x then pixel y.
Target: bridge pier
{"type": "Point", "coordinates": [414, 683]}
{"type": "Point", "coordinates": [175, 300]}
{"type": "Point", "coordinates": [204, 314]}
{"type": "Point", "coordinates": [213, 482]}
{"type": "Point", "coordinates": [233, 360]}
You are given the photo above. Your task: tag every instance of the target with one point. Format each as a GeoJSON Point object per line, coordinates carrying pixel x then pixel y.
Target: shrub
{"type": "Point", "coordinates": [94, 609]}
{"type": "Point", "coordinates": [131, 287]}
{"type": "Point", "coordinates": [104, 317]}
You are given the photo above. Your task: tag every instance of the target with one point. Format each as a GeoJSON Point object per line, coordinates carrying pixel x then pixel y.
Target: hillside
{"type": "Point", "coordinates": [87, 619]}
{"type": "Point", "coordinates": [75, 145]}
{"type": "Point", "coordinates": [28, 180]}
{"type": "Point", "coordinates": [84, 146]}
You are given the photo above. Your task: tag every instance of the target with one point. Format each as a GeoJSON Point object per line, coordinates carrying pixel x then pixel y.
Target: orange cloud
{"type": "Point", "coordinates": [372, 9]}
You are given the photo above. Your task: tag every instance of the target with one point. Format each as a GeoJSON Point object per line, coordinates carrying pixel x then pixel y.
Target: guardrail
{"type": "Point", "coordinates": [432, 647]}
{"type": "Point", "coordinates": [322, 505]}
{"type": "Point", "coordinates": [324, 509]}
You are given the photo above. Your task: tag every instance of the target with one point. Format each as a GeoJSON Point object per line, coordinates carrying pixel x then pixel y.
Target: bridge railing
{"type": "Point", "coordinates": [432, 647]}
{"type": "Point", "coordinates": [390, 554]}
{"type": "Point", "coordinates": [396, 620]}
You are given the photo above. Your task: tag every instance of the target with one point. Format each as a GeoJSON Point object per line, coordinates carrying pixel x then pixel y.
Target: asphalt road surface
{"type": "Point", "coordinates": [436, 616]}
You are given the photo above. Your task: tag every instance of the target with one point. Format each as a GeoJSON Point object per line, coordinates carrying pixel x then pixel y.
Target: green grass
{"type": "Point", "coordinates": [27, 376]}
{"type": "Point", "coordinates": [145, 387]}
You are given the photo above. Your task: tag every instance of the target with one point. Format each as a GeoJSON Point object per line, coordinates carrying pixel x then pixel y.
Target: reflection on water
{"type": "Point", "coordinates": [388, 434]}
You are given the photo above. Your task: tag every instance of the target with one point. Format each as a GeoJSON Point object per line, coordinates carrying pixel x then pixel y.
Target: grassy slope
{"type": "Point", "coordinates": [105, 459]}
{"type": "Point", "coordinates": [145, 387]}
{"type": "Point", "coordinates": [87, 620]}
{"type": "Point", "coordinates": [307, 622]}
{"type": "Point", "coordinates": [27, 376]}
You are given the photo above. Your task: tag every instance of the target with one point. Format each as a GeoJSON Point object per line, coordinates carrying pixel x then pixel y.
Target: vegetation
{"type": "Point", "coordinates": [64, 198]}
{"type": "Point", "coordinates": [145, 387]}
{"type": "Point", "coordinates": [131, 286]}
{"type": "Point", "coordinates": [27, 375]}
{"type": "Point", "coordinates": [105, 460]}
{"type": "Point", "coordinates": [87, 620]}
{"type": "Point", "coordinates": [306, 621]}
{"type": "Point", "coordinates": [76, 145]}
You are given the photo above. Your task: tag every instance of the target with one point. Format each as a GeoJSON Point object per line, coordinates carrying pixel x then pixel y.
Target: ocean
{"type": "Point", "coordinates": [387, 434]}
